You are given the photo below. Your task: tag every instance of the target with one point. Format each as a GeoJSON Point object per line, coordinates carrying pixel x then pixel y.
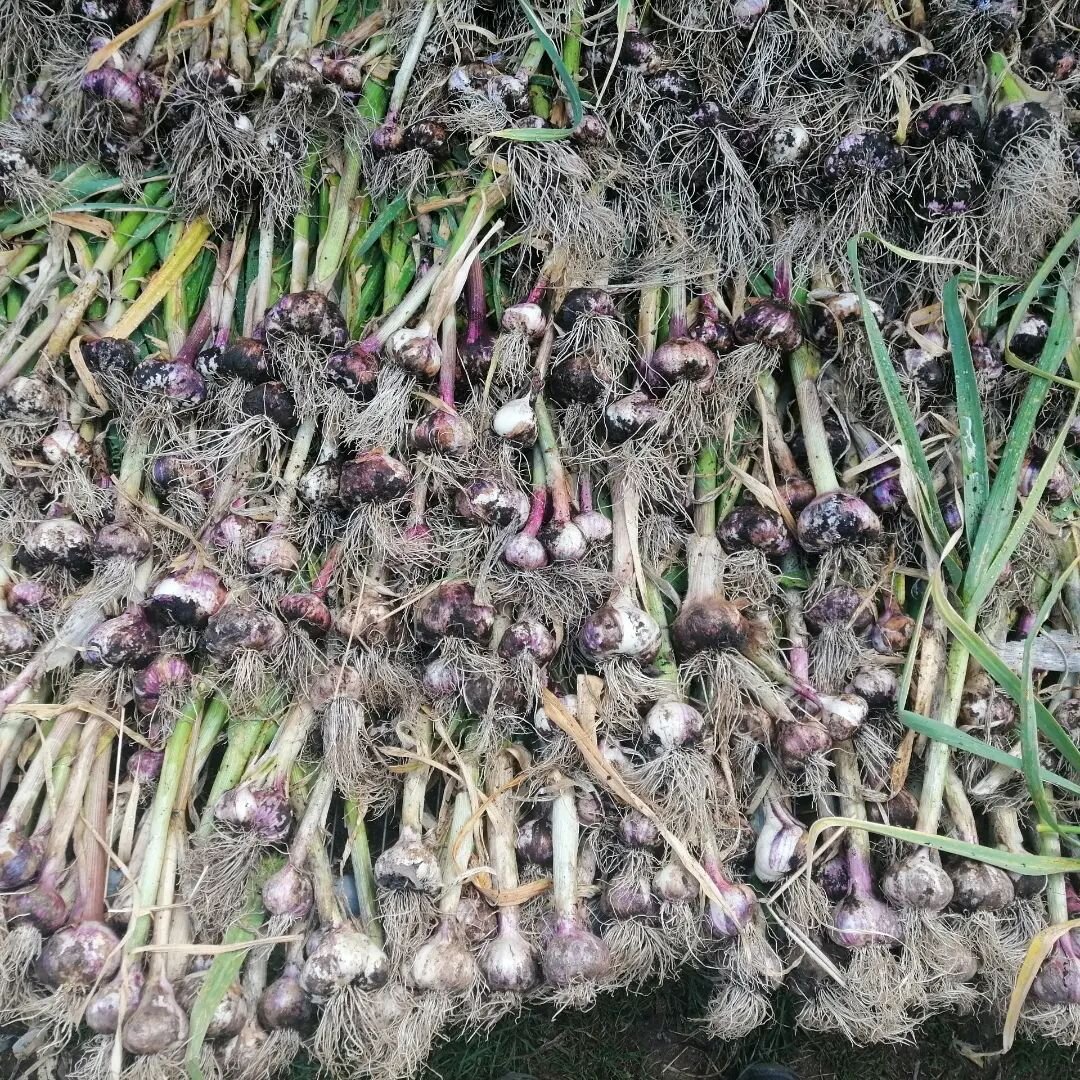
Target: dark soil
{"type": "Point", "coordinates": [652, 1037]}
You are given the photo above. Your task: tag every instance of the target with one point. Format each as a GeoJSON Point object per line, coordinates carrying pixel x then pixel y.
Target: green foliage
{"type": "Point", "coordinates": [969, 413]}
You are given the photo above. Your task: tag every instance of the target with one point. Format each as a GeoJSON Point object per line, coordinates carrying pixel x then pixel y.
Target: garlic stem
{"type": "Point", "coordinates": [804, 371]}
{"type": "Point", "coordinates": [963, 819]}
{"type": "Point", "coordinates": [849, 781]}
{"type": "Point", "coordinates": [564, 841]}
{"type": "Point", "coordinates": [936, 763]}
{"type": "Point", "coordinates": [458, 848]}
{"type": "Point", "coordinates": [32, 781]}
{"type": "Point", "coordinates": [167, 798]}
{"type": "Point", "coordinates": [502, 829]}
{"type": "Point", "coordinates": [363, 871]}
{"type": "Point", "coordinates": [414, 786]}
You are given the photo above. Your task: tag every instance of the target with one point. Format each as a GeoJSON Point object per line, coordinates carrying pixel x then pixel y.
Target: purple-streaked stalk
{"type": "Point", "coordinates": [563, 539]}
{"type": "Point", "coordinates": [861, 919]}
{"type": "Point", "coordinates": [43, 903]}
{"type": "Point", "coordinates": [261, 802]}
{"type": "Point", "coordinates": [18, 859]}
{"type": "Point", "coordinates": [524, 549]}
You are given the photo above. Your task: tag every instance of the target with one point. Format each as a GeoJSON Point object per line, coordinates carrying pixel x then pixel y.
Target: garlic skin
{"type": "Point", "coordinates": [709, 624]}
{"type": "Point", "coordinates": [409, 865]}
{"type": "Point", "coordinates": [845, 305]}
{"type": "Point", "coordinates": [574, 955]}
{"type": "Point", "coordinates": [738, 911]}
{"type": "Point", "coordinates": [980, 887]}
{"type": "Point", "coordinates": [343, 956]}
{"type": "Point", "coordinates": [772, 323]}
{"type": "Point", "coordinates": [416, 350]}
{"type": "Point", "coordinates": [621, 628]}
{"type": "Point", "coordinates": [525, 552]}
{"type": "Point", "coordinates": [103, 1011]}
{"type": "Point", "coordinates": [788, 144]}
{"type": "Point", "coordinates": [746, 13]}
{"type": "Point", "coordinates": [843, 714]}
{"type": "Point", "coordinates": [288, 893]}
{"type": "Point", "coordinates": [528, 319]}
{"type": "Point", "coordinates": [444, 963]}
{"type": "Point", "coordinates": [508, 962]}
{"type": "Point", "coordinates": [564, 542]}
{"type": "Point", "coordinates": [80, 954]}
{"type": "Point", "coordinates": [628, 896]}
{"type": "Point", "coordinates": [266, 811]}
{"type": "Point", "coordinates": [533, 843]}
{"type": "Point", "coordinates": [486, 501]}
{"type": "Point", "coordinates": [594, 526]}
{"type": "Point", "coordinates": [670, 725]}
{"type": "Point", "coordinates": [672, 883]}
{"type": "Point", "coordinates": [877, 685]}
{"type": "Point", "coordinates": [516, 422]}
{"type": "Point", "coordinates": [639, 833]}
{"type": "Point", "coordinates": [836, 518]}
{"type": "Point", "coordinates": [273, 554]}
{"type": "Point", "coordinates": [157, 1024]}
{"type": "Point", "coordinates": [918, 882]}
{"type": "Point", "coordinates": [862, 920]}
{"type": "Point", "coordinates": [631, 415]}
{"type": "Point", "coordinates": [285, 1003]}
{"type": "Point", "coordinates": [781, 842]}
{"type": "Point", "coordinates": [797, 742]}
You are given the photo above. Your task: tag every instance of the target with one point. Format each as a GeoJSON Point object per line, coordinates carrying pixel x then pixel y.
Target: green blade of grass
{"type": "Point", "coordinates": [969, 412]}
{"type": "Point", "coordinates": [908, 672]}
{"type": "Point", "coordinates": [1057, 253]}
{"type": "Point", "coordinates": [196, 284]}
{"type": "Point", "coordinates": [532, 135]}
{"type": "Point", "coordinates": [1000, 672]}
{"type": "Point", "coordinates": [369, 300]}
{"type": "Point", "coordinates": [1029, 730]}
{"type": "Point", "coordinates": [902, 418]}
{"type": "Point", "coordinates": [968, 744]}
{"type": "Point", "coordinates": [980, 277]}
{"type": "Point", "coordinates": [922, 257]}
{"type": "Point", "coordinates": [223, 972]}
{"type": "Point", "coordinates": [1023, 519]}
{"type": "Point", "coordinates": [569, 87]}
{"type": "Point", "coordinates": [1026, 865]}
{"type": "Point", "coordinates": [1043, 376]}
{"type": "Point", "coordinates": [137, 224]}
{"type": "Point", "coordinates": [997, 515]}
{"type": "Point", "coordinates": [386, 217]}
